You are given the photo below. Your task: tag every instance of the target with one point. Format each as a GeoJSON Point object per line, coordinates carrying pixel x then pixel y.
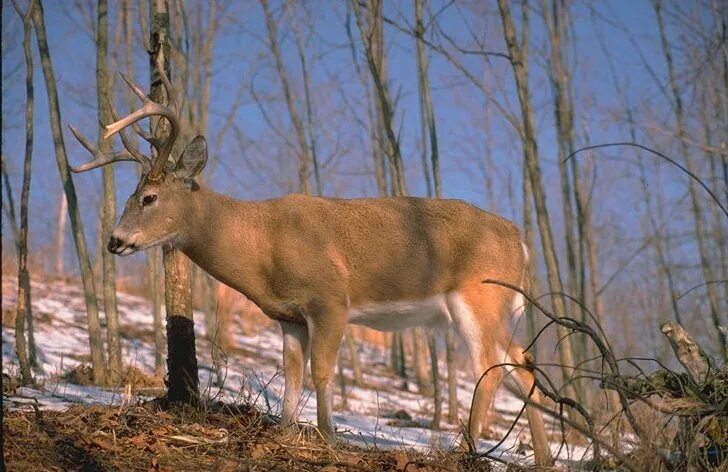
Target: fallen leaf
{"type": "Point", "coordinates": [104, 443]}
{"type": "Point", "coordinates": [141, 441]}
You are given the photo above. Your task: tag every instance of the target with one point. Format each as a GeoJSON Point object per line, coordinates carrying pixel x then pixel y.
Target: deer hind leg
{"type": "Point", "coordinates": [478, 324]}
{"type": "Point", "coordinates": [327, 332]}
{"type": "Point", "coordinates": [295, 357]}
{"type": "Point", "coordinates": [526, 381]}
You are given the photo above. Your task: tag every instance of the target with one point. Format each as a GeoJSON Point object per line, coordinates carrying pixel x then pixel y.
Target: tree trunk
{"type": "Point", "coordinates": [94, 326]}
{"type": "Point", "coordinates": [312, 142]}
{"type": "Point", "coordinates": [354, 354]}
{"type": "Point", "coordinates": [372, 36]}
{"type": "Point", "coordinates": [556, 23]}
{"type": "Point", "coordinates": [564, 134]}
{"type": "Point", "coordinates": [183, 385]}
{"type": "Point", "coordinates": [436, 393]}
{"type": "Point", "coordinates": [24, 308]}
{"type": "Point", "coordinates": [155, 296]}
{"type": "Point", "coordinates": [153, 256]}
{"type": "Point", "coordinates": [530, 149]}
{"type": "Point", "coordinates": [453, 406]}
{"type": "Point", "coordinates": [108, 211]}
{"type": "Point", "coordinates": [431, 132]}
{"type": "Point", "coordinates": [9, 205]}
{"type": "Point", "coordinates": [60, 240]}
{"type": "Point", "coordinates": [304, 181]}
{"type": "Point", "coordinates": [420, 360]}
{"type": "Point", "coordinates": [213, 325]}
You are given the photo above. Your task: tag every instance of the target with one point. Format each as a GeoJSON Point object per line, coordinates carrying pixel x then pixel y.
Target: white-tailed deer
{"type": "Point", "coordinates": [315, 264]}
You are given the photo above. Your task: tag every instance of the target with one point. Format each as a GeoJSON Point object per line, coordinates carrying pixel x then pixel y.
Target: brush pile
{"type": "Point", "coordinates": [696, 400]}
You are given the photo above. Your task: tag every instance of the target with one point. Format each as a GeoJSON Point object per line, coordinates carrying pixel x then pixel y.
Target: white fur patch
{"type": "Point", "coordinates": [519, 305]}
{"type": "Point", "coordinates": [468, 328]}
{"type": "Point", "coordinates": [518, 308]}
{"type": "Point", "coordinates": [526, 256]}
{"type": "Point", "coordinates": [393, 316]}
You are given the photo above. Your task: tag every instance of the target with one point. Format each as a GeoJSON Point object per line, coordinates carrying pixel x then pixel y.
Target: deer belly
{"type": "Point", "coordinates": [397, 315]}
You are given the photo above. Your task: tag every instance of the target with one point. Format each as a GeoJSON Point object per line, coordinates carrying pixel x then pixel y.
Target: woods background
{"type": "Point", "coordinates": [351, 99]}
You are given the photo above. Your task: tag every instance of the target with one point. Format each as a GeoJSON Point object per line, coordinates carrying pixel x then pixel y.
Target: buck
{"type": "Point", "coordinates": [315, 264]}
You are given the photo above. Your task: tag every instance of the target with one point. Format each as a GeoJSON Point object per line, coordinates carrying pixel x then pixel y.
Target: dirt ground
{"type": "Point", "coordinates": [219, 437]}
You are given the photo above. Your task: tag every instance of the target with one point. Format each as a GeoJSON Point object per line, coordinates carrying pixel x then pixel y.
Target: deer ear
{"type": "Point", "coordinates": [193, 159]}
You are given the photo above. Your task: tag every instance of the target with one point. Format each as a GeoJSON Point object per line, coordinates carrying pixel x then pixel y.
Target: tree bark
{"type": "Point", "coordinates": [530, 149]}
{"type": "Point", "coordinates": [431, 132]}
{"type": "Point", "coordinates": [372, 36]}
{"type": "Point", "coordinates": [60, 240]}
{"type": "Point", "coordinates": [153, 255]}
{"type": "Point", "coordinates": [564, 134]}
{"type": "Point", "coordinates": [420, 360]}
{"type": "Point", "coordinates": [108, 211]}
{"type": "Point", "coordinates": [436, 392]}
{"type": "Point", "coordinates": [9, 205]}
{"type": "Point", "coordinates": [311, 135]}
{"type": "Point", "coordinates": [696, 362]}
{"type": "Point", "coordinates": [183, 384]}
{"type": "Point", "coordinates": [304, 181]}
{"type": "Point", "coordinates": [24, 308]}
{"type": "Point", "coordinates": [371, 33]}
{"type": "Point", "coordinates": [94, 326]}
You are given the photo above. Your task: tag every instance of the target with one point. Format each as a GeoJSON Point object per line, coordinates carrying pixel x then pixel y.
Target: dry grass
{"type": "Point", "coordinates": [219, 437]}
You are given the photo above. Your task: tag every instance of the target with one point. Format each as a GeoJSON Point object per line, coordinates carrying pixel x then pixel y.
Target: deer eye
{"type": "Point", "coordinates": [149, 199]}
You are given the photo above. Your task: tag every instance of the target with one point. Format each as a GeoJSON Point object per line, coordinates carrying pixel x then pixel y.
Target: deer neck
{"type": "Point", "coordinates": [225, 237]}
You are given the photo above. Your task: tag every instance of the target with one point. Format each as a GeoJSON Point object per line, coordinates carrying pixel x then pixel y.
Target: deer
{"type": "Point", "coordinates": [316, 264]}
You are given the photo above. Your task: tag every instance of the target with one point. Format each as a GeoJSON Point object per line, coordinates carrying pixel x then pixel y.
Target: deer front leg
{"type": "Point", "coordinates": [295, 357]}
{"type": "Point", "coordinates": [327, 333]}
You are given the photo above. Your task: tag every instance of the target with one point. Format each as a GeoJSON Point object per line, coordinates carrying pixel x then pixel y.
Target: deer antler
{"type": "Point", "coordinates": [100, 158]}
{"type": "Point", "coordinates": [149, 108]}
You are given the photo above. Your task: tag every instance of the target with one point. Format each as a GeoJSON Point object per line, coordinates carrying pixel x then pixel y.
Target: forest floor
{"type": "Point", "coordinates": [64, 423]}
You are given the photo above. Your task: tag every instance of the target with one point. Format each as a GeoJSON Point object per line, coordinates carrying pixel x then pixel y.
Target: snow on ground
{"type": "Point", "coordinates": [253, 370]}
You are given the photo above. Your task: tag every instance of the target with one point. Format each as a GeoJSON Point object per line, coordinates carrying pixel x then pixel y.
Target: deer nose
{"type": "Point", "coordinates": [113, 244]}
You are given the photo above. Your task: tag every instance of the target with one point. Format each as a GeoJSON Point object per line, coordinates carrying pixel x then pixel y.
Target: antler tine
{"type": "Point", "coordinates": [149, 109]}
{"type": "Point", "coordinates": [146, 135]}
{"type": "Point", "coordinates": [100, 158]}
{"type": "Point", "coordinates": [134, 86]}
{"type": "Point", "coordinates": [145, 162]}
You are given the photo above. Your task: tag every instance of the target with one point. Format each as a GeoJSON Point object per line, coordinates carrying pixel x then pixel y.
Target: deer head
{"type": "Point", "coordinates": [154, 213]}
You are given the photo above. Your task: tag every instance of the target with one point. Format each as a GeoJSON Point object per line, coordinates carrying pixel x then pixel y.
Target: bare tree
{"type": "Point", "coordinates": [9, 205]}
{"type": "Point", "coordinates": [92, 311]}
{"type": "Point", "coordinates": [370, 25]}
{"type": "Point", "coordinates": [700, 230]}
{"type": "Point", "coordinates": [311, 134]}
{"type": "Point", "coordinates": [60, 239]}
{"type": "Point", "coordinates": [530, 150]}
{"type": "Point", "coordinates": [431, 132]}
{"type": "Point", "coordinates": [153, 255]}
{"type": "Point", "coordinates": [304, 160]}
{"type": "Point", "coordinates": [108, 209]}
{"type": "Point", "coordinates": [24, 309]}
{"type": "Point", "coordinates": [183, 385]}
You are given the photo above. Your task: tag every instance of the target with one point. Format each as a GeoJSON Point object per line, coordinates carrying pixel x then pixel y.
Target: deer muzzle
{"type": "Point", "coordinates": [120, 247]}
